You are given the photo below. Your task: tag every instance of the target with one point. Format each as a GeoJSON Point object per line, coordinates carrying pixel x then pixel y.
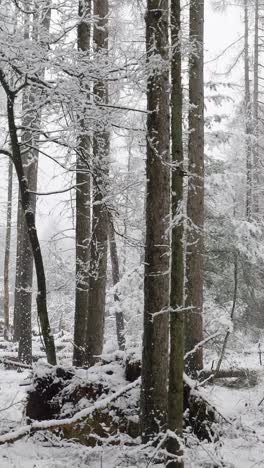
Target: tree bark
{"type": "Point", "coordinates": [83, 200]}
{"type": "Point", "coordinates": [195, 204]}
{"type": "Point", "coordinates": [23, 303]}
{"type": "Point", "coordinates": [248, 118]}
{"type": "Point", "coordinates": [18, 304]}
{"type": "Point", "coordinates": [157, 277]}
{"type": "Point", "coordinates": [29, 140]}
{"type": "Point", "coordinates": [120, 326]}
{"type": "Point", "coordinates": [7, 250]}
{"type": "Point", "coordinates": [256, 163]}
{"type": "Point", "coordinates": [98, 249]}
{"type": "Point", "coordinates": [124, 253]}
{"type": "Point", "coordinates": [26, 201]}
{"type": "Point", "coordinates": [176, 367]}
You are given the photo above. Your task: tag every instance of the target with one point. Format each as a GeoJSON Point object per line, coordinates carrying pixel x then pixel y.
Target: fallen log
{"type": "Point", "coordinates": [243, 377]}
{"type": "Point", "coordinates": [224, 373]}
{"type": "Point", "coordinates": [14, 364]}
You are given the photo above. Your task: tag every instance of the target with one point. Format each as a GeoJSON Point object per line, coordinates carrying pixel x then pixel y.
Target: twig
{"type": "Point", "coordinates": [201, 344]}
{"type": "Point", "coordinates": [163, 440]}
{"type": "Point", "coordinates": [231, 316]}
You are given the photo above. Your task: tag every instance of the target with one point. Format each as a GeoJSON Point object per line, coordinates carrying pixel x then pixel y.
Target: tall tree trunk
{"type": "Point", "coordinates": [176, 368]}
{"type": "Point", "coordinates": [195, 204]}
{"type": "Point", "coordinates": [30, 162]}
{"type": "Point", "coordinates": [31, 121]}
{"type": "Point", "coordinates": [26, 201]}
{"type": "Point", "coordinates": [7, 250]}
{"type": "Point", "coordinates": [18, 296]}
{"type": "Point", "coordinates": [18, 270]}
{"type": "Point", "coordinates": [143, 233]}
{"type": "Point", "coordinates": [124, 253]}
{"type": "Point", "coordinates": [157, 277]}
{"type": "Point", "coordinates": [98, 249]}
{"type": "Point", "coordinates": [83, 200]}
{"type": "Point", "coordinates": [256, 162]}
{"type": "Point", "coordinates": [120, 327]}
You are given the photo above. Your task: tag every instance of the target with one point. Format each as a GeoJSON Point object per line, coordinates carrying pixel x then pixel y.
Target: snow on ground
{"type": "Point", "coordinates": [240, 445]}
{"type": "Point", "coordinates": [12, 397]}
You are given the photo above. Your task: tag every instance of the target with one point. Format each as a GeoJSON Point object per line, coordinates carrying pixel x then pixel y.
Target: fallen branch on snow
{"type": "Point", "coordinates": [29, 429]}
{"type": "Point", "coordinates": [15, 364]}
{"type": "Point", "coordinates": [226, 373]}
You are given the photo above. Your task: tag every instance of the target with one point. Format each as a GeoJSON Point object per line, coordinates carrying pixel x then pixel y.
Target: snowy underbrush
{"type": "Point", "coordinates": [238, 436]}
{"type": "Point", "coordinates": [238, 440]}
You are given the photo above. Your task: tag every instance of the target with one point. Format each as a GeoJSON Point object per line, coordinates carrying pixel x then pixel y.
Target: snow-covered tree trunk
{"type": "Point", "coordinates": [195, 204]}
{"type": "Point", "coordinates": [26, 201]}
{"type": "Point", "coordinates": [21, 228]}
{"type": "Point", "coordinates": [31, 122]}
{"type": "Point", "coordinates": [157, 262]}
{"type": "Point", "coordinates": [120, 327]}
{"type": "Point", "coordinates": [248, 117]}
{"type": "Point", "coordinates": [98, 249]}
{"type": "Point", "coordinates": [255, 118]}
{"type": "Point", "coordinates": [7, 249]}
{"type": "Point", "coordinates": [83, 200]}
{"type": "Point", "coordinates": [176, 366]}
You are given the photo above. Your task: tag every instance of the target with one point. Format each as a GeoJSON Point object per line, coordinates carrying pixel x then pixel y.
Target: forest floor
{"type": "Point", "coordinates": [240, 443]}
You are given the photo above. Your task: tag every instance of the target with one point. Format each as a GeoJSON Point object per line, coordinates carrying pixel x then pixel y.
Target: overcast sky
{"type": "Point", "coordinates": [221, 29]}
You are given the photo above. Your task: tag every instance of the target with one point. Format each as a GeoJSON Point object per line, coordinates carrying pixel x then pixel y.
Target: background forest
{"type": "Point", "coordinates": [131, 233]}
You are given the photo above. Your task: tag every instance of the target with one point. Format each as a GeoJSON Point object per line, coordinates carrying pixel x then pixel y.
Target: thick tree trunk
{"type": "Point", "coordinates": [157, 264]}
{"type": "Point", "coordinates": [98, 249]}
{"type": "Point", "coordinates": [120, 327]}
{"type": "Point", "coordinates": [83, 200]}
{"type": "Point", "coordinates": [195, 204]}
{"type": "Point", "coordinates": [176, 367]}
{"type": "Point", "coordinates": [7, 250]}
